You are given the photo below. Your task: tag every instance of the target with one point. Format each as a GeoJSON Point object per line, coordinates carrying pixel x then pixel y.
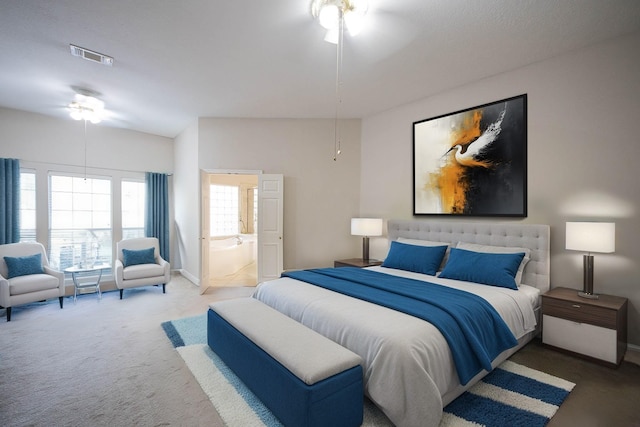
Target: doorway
{"type": "Point", "coordinates": [232, 238]}
{"type": "Point", "coordinates": [253, 225]}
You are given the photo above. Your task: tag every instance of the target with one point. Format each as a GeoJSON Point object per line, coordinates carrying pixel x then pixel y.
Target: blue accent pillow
{"type": "Point", "coordinates": [24, 265]}
{"type": "Point", "coordinates": [419, 259]}
{"type": "Point", "coordinates": [482, 267]}
{"type": "Point", "coordinates": [142, 256]}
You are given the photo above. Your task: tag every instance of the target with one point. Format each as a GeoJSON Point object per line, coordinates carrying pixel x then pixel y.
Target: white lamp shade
{"type": "Point", "coordinates": [591, 236]}
{"type": "Point", "coordinates": [366, 226]}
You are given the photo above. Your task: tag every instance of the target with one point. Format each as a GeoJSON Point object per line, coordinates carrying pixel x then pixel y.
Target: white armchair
{"type": "Point", "coordinates": [25, 279]}
{"type": "Point", "coordinates": [139, 263]}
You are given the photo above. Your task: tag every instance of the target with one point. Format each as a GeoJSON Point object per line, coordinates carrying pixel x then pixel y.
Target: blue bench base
{"type": "Point", "coordinates": [335, 401]}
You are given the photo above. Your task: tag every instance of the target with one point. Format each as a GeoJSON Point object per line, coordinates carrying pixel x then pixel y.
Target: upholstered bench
{"type": "Point", "coordinates": [304, 378]}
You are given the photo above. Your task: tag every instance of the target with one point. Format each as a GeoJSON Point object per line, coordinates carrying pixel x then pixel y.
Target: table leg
{"type": "Point", "coordinates": [98, 285]}
{"type": "Point", "coordinates": [75, 287]}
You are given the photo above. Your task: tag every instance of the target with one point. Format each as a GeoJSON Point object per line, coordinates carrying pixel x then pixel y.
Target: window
{"type": "Point", "coordinates": [133, 196]}
{"type": "Point", "coordinates": [27, 206]}
{"type": "Point", "coordinates": [224, 210]}
{"type": "Point", "coordinates": [79, 220]}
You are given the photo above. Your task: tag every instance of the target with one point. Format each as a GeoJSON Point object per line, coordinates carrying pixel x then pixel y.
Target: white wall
{"type": "Point", "coordinates": [320, 195]}
{"type": "Point", "coordinates": [39, 138]}
{"type": "Point", "coordinates": [583, 143]}
{"type": "Point", "coordinates": [186, 183]}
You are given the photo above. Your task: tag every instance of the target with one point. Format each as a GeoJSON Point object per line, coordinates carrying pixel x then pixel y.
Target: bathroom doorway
{"type": "Point", "coordinates": [232, 240]}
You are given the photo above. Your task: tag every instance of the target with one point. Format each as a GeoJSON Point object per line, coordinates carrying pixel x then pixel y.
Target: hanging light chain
{"type": "Point", "coordinates": [339, 47]}
{"type": "Point", "coordinates": [85, 149]}
{"type": "Point", "coordinates": [336, 16]}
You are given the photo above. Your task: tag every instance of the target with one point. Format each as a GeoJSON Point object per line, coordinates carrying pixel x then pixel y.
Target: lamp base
{"type": "Point", "coordinates": [365, 249]}
{"type": "Point", "coordinates": [587, 291]}
{"type": "Point", "coordinates": [590, 296]}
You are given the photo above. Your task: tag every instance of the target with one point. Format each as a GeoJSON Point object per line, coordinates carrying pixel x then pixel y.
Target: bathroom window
{"type": "Point", "coordinates": [224, 210]}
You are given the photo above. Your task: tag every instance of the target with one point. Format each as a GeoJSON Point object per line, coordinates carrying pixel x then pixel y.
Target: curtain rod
{"type": "Point", "coordinates": [91, 167]}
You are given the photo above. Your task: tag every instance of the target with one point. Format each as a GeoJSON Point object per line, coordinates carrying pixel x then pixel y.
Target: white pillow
{"type": "Point", "coordinates": [419, 242]}
{"type": "Point", "coordinates": [500, 250]}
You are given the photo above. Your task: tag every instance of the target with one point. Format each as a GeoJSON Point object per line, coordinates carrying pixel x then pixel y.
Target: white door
{"type": "Point", "coordinates": [270, 226]}
{"type": "Point", "coordinates": [205, 221]}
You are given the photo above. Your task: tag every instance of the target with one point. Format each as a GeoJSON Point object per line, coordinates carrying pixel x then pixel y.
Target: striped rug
{"type": "Point", "coordinates": [511, 395]}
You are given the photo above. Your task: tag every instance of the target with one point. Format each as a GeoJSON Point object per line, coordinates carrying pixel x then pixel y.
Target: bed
{"type": "Point", "coordinates": [409, 368]}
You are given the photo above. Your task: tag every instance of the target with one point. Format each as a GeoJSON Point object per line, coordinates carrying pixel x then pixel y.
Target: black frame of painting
{"type": "Point", "coordinates": [454, 177]}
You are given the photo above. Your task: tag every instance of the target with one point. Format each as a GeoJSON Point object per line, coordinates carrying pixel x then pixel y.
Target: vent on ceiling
{"type": "Point", "coordinates": [90, 55]}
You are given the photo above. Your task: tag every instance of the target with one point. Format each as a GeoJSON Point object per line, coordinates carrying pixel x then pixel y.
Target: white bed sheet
{"type": "Point", "coordinates": [408, 366]}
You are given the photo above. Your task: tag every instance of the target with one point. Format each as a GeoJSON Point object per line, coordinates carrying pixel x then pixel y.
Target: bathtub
{"type": "Point", "coordinates": [229, 255]}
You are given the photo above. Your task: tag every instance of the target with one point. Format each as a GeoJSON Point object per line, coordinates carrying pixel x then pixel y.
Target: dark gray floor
{"type": "Point", "coordinates": [602, 397]}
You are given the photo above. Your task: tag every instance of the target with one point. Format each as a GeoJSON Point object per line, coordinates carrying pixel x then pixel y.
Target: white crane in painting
{"type": "Point", "coordinates": [467, 154]}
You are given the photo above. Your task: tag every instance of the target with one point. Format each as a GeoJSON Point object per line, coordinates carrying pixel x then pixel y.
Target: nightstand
{"type": "Point", "coordinates": [592, 328]}
{"type": "Point", "coordinates": [356, 262]}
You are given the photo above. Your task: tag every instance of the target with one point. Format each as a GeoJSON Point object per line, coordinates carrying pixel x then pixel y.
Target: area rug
{"type": "Point", "coordinates": [511, 395]}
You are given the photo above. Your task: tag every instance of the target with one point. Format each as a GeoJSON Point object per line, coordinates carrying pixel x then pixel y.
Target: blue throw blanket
{"type": "Point", "coordinates": [475, 332]}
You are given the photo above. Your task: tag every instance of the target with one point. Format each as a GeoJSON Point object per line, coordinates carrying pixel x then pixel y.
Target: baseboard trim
{"type": "Point", "coordinates": [189, 277]}
{"type": "Point", "coordinates": [633, 354]}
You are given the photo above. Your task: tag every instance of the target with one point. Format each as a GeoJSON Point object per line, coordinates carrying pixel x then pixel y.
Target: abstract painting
{"type": "Point", "coordinates": [472, 162]}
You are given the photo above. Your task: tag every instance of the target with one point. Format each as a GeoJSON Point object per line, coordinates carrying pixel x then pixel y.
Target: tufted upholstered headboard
{"type": "Point", "coordinates": [532, 236]}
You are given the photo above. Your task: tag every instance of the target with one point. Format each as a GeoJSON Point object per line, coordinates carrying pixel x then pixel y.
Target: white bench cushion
{"type": "Point", "coordinates": [304, 352]}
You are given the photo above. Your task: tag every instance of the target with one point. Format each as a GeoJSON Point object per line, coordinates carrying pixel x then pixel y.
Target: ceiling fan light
{"type": "Point", "coordinates": [330, 13]}
{"type": "Point", "coordinates": [354, 22]}
{"type": "Point", "coordinates": [359, 6]}
{"type": "Point", "coordinates": [332, 36]}
{"type": "Point", "coordinates": [75, 114]}
{"type": "Point", "coordinates": [86, 108]}
{"type": "Point", "coordinates": [90, 102]}
{"type": "Point", "coordinates": [329, 16]}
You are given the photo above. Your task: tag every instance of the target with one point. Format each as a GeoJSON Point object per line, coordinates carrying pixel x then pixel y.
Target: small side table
{"type": "Point", "coordinates": [356, 262]}
{"type": "Point", "coordinates": [593, 328]}
{"type": "Point", "coordinates": [85, 277]}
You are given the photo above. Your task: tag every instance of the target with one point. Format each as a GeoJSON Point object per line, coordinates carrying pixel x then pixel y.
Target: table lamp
{"type": "Point", "coordinates": [366, 227]}
{"type": "Point", "coordinates": [590, 237]}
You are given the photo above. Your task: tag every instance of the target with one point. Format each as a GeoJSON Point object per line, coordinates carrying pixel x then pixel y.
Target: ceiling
{"type": "Point", "coordinates": [175, 61]}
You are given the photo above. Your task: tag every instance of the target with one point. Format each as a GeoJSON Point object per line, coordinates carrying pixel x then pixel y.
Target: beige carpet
{"type": "Point", "coordinates": [104, 363]}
